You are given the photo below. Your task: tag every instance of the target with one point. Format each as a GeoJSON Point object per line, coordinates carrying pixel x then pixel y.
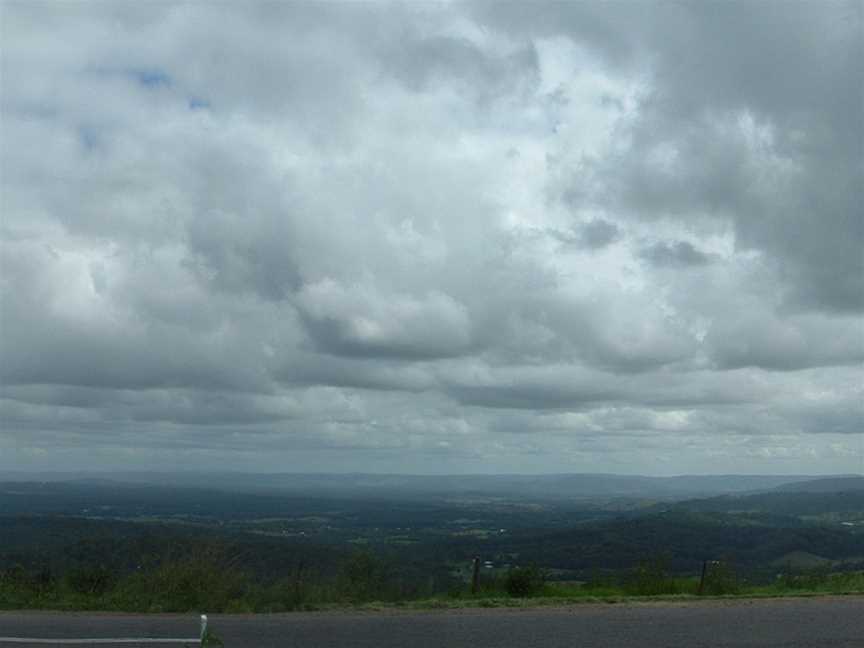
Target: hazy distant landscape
{"type": "Point", "coordinates": [543, 486]}
{"type": "Point", "coordinates": [273, 542]}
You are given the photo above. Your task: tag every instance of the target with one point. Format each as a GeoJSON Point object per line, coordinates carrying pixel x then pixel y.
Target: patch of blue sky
{"type": "Point", "coordinates": [89, 137]}
{"type": "Point", "coordinates": [197, 103]}
{"type": "Point", "coordinates": [31, 110]}
{"type": "Point", "coordinates": [151, 78]}
{"type": "Point", "coordinates": [146, 77]}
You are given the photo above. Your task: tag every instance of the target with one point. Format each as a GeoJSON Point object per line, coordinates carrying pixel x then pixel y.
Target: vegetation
{"type": "Point", "coordinates": [200, 585]}
{"type": "Point", "coordinates": [522, 582]}
{"type": "Point", "coordinates": [176, 550]}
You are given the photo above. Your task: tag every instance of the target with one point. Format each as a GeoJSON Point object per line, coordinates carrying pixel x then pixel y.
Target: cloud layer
{"type": "Point", "coordinates": [474, 237]}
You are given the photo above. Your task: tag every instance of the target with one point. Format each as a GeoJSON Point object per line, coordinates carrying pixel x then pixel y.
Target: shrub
{"type": "Point", "coordinates": [720, 579]}
{"type": "Point", "coordinates": [524, 581]}
{"type": "Point", "coordinates": [198, 583]}
{"type": "Point", "coordinates": [294, 593]}
{"type": "Point", "coordinates": [650, 579]}
{"type": "Point", "coordinates": [93, 581]}
{"type": "Point", "coordinates": [363, 577]}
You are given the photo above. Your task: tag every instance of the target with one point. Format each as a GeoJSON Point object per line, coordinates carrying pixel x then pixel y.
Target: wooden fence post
{"type": "Point", "coordinates": [702, 579]}
{"type": "Point", "coordinates": [475, 577]}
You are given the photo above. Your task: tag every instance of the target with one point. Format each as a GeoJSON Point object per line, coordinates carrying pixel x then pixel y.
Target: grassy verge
{"type": "Point", "coordinates": [200, 586]}
{"type": "Point", "coordinates": [661, 589]}
{"type": "Point", "coordinates": [539, 602]}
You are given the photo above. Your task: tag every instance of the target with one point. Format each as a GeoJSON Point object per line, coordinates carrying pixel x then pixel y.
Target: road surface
{"type": "Point", "coordinates": [787, 623]}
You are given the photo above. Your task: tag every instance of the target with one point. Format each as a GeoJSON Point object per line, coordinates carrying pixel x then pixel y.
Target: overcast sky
{"type": "Point", "coordinates": [457, 237]}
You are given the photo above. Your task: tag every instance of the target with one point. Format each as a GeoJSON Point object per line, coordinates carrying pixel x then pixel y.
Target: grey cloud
{"type": "Point", "coordinates": [593, 235]}
{"type": "Point", "coordinates": [843, 417]}
{"type": "Point", "coordinates": [756, 340]}
{"type": "Point", "coordinates": [359, 321]}
{"type": "Point", "coordinates": [794, 194]}
{"type": "Point", "coordinates": [567, 388]}
{"type": "Point", "coordinates": [316, 251]}
{"type": "Point", "coordinates": [393, 374]}
{"type": "Point", "coordinates": [606, 28]}
{"type": "Point", "coordinates": [598, 233]}
{"type": "Point", "coordinates": [800, 210]}
{"type": "Point", "coordinates": [777, 52]}
{"type": "Point", "coordinates": [617, 333]}
{"type": "Point", "coordinates": [675, 254]}
{"type": "Point", "coordinates": [534, 397]}
{"type": "Point", "coordinates": [227, 252]}
{"type": "Point", "coordinates": [421, 62]}
{"type": "Point", "coordinates": [178, 406]}
{"type": "Point", "coordinates": [59, 329]}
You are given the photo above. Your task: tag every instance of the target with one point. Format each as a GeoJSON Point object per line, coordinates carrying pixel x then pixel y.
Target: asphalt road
{"type": "Point", "coordinates": [790, 623]}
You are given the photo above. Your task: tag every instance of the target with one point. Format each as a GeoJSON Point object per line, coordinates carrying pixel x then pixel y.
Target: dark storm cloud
{"type": "Point", "coordinates": [481, 233]}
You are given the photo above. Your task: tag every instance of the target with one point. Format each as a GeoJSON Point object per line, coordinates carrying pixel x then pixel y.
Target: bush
{"type": "Point", "coordinates": [363, 577]}
{"type": "Point", "coordinates": [199, 583]}
{"type": "Point", "coordinates": [524, 581]}
{"type": "Point", "coordinates": [650, 579]}
{"type": "Point", "coordinates": [720, 579]}
{"type": "Point", "coordinates": [295, 593]}
{"type": "Point", "coordinates": [93, 581]}
{"type": "Point", "coordinates": [820, 579]}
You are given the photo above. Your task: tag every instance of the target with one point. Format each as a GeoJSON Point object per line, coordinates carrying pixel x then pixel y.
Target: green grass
{"type": "Point", "coordinates": [202, 586]}
{"type": "Point", "coordinates": [679, 589]}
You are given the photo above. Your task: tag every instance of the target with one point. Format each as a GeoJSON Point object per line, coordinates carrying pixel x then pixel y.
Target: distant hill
{"type": "Point", "coordinates": [557, 487]}
{"type": "Point", "coordinates": [781, 502]}
{"type": "Point", "coordinates": [828, 485]}
{"type": "Point", "coordinates": [809, 498]}
{"type": "Point", "coordinates": [684, 540]}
